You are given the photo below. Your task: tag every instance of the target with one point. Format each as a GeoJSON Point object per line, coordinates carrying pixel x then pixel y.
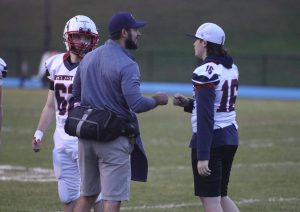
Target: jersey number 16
{"type": "Point", "coordinates": [228, 104]}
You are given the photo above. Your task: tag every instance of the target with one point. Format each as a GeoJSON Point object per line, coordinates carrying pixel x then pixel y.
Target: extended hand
{"type": "Point", "coordinates": [180, 100]}
{"type": "Point", "coordinates": [161, 98]}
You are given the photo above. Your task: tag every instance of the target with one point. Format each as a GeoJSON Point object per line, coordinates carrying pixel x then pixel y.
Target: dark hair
{"type": "Point", "coordinates": [213, 49]}
{"type": "Point", "coordinates": [115, 35]}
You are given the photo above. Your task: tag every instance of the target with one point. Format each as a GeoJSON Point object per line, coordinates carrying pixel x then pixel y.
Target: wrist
{"type": "Point", "coordinates": [38, 135]}
{"type": "Point", "coordinates": [76, 104]}
{"type": "Point", "coordinates": [155, 101]}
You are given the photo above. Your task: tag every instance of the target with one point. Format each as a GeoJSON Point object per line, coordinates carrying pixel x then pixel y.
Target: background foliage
{"type": "Point", "coordinates": [262, 35]}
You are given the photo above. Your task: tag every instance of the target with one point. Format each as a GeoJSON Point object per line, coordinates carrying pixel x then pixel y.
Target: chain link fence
{"type": "Point", "coordinates": [171, 66]}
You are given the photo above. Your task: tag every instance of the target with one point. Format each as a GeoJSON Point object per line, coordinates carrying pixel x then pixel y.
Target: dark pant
{"type": "Point", "coordinates": [220, 163]}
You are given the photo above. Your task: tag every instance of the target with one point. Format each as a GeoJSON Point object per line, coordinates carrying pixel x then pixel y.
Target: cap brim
{"type": "Point", "coordinates": [138, 24]}
{"type": "Point", "coordinates": [192, 35]}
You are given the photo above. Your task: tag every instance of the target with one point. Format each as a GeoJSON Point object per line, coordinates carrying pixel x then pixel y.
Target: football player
{"type": "Point", "coordinates": [3, 72]}
{"type": "Point", "coordinates": [80, 37]}
{"type": "Point", "coordinates": [215, 136]}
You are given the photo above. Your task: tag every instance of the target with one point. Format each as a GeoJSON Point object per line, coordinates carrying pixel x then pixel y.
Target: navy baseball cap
{"type": "Point", "coordinates": [123, 20]}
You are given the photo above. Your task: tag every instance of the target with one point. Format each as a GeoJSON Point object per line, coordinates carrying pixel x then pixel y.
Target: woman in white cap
{"type": "Point", "coordinates": [215, 137]}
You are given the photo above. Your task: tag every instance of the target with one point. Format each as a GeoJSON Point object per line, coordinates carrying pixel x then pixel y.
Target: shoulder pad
{"type": "Point", "coordinates": [206, 73]}
{"type": "Point", "coordinates": [50, 61]}
{"type": "Point", "coordinates": [53, 61]}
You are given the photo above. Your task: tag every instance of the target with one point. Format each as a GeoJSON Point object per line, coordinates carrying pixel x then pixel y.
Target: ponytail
{"type": "Point", "coordinates": [213, 49]}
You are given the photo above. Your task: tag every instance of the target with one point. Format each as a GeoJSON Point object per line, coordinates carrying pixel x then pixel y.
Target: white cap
{"type": "Point", "coordinates": [210, 32]}
{"type": "Point", "coordinates": [2, 65]}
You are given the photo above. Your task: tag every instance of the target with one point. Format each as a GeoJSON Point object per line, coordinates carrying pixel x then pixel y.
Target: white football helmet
{"type": "Point", "coordinates": [79, 25]}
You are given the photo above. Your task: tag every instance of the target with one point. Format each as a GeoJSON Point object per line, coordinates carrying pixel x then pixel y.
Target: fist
{"type": "Point", "coordinates": [36, 144]}
{"type": "Point", "coordinates": [161, 98]}
{"type": "Point", "coordinates": [180, 100]}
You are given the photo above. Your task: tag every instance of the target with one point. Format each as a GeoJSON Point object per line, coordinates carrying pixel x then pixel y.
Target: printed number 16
{"type": "Point", "coordinates": [228, 104]}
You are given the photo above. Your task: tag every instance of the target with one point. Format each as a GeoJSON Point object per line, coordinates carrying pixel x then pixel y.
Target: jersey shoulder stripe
{"type": "Point", "coordinates": [206, 73]}
{"type": "Point", "coordinates": [199, 80]}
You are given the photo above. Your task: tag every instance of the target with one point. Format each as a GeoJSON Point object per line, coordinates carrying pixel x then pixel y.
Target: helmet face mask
{"type": "Point", "coordinates": [80, 35]}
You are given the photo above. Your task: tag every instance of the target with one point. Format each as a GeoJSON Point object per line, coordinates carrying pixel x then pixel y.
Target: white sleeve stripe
{"type": "Point", "coordinates": [199, 82]}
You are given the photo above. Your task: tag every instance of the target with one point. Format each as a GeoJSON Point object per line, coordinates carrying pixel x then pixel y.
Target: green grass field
{"type": "Point", "coordinates": [265, 175]}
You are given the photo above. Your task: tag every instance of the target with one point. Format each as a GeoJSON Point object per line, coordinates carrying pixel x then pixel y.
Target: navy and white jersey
{"type": "Point", "coordinates": [225, 81]}
{"type": "Point", "coordinates": [213, 116]}
{"type": "Point", "coordinates": [61, 74]}
{"type": "Point", "coordinates": [3, 70]}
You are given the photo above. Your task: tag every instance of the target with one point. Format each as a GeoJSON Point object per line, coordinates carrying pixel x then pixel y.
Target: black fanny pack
{"type": "Point", "coordinates": [98, 124]}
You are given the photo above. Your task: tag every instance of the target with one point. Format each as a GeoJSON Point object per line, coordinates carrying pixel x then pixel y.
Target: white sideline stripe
{"type": "Point", "coordinates": [37, 174]}
{"type": "Point", "coordinates": [23, 174]}
{"type": "Point", "coordinates": [254, 146]}
{"type": "Point", "coordinates": [166, 206]}
{"type": "Point", "coordinates": [267, 140]}
{"type": "Point", "coordinates": [262, 143]}
{"type": "Point", "coordinates": [12, 130]}
{"type": "Point", "coordinates": [238, 165]}
{"type": "Point", "coordinates": [181, 205]}
{"type": "Point", "coordinates": [271, 164]}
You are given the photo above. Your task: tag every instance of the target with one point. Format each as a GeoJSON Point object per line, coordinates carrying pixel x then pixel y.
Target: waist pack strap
{"type": "Point", "coordinates": [84, 117]}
